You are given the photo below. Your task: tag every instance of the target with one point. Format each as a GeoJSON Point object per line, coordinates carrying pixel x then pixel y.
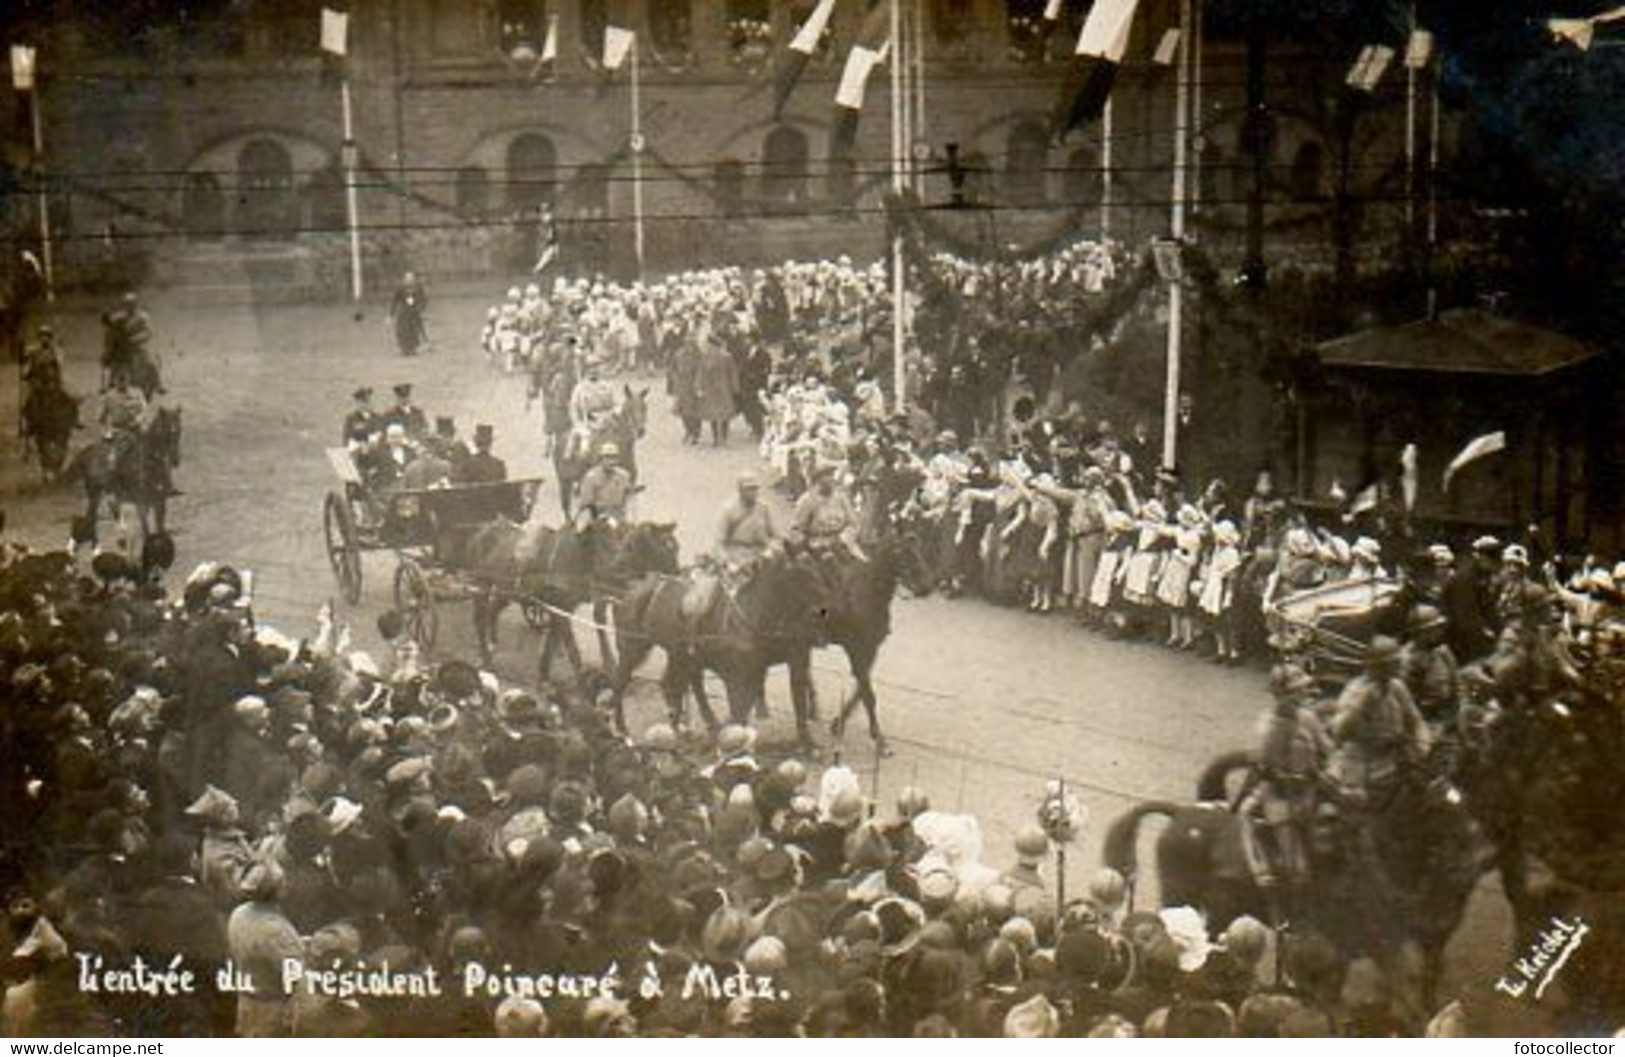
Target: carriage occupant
{"type": "Point", "coordinates": [605, 492]}
{"type": "Point", "coordinates": [384, 463]}
{"type": "Point", "coordinates": [362, 421]}
{"type": "Point", "coordinates": [482, 467]}
{"type": "Point", "coordinates": [406, 414]}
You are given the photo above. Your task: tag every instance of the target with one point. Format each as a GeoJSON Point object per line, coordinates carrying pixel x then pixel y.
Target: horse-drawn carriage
{"type": "Point", "coordinates": [1327, 628]}
{"type": "Point", "coordinates": [423, 527]}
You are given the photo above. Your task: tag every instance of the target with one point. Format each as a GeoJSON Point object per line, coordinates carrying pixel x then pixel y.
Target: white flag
{"type": "Point", "coordinates": [1579, 31]}
{"type": "Point", "coordinates": [1476, 449]}
{"type": "Point", "coordinates": [22, 67]}
{"type": "Point", "coordinates": [1167, 48]}
{"type": "Point", "coordinates": [1419, 49]}
{"type": "Point", "coordinates": [617, 44]}
{"type": "Point", "coordinates": [860, 61]}
{"type": "Point", "coordinates": [550, 46]}
{"type": "Point", "coordinates": [335, 31]}
{"type": "Point", "coordinates": [1052, 10]}
{"type": "Point", "coordinates": [812, 30]}
{"type": "Point", "coordinates": [1407, 475]}
{"type": "Point", "coordinates": [1368, 69]}
{"type": "Point", "coordinates": [1105, 31]}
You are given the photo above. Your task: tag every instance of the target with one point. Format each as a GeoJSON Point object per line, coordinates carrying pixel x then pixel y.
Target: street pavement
{"type": "Point", "coordinates": [983, 705]}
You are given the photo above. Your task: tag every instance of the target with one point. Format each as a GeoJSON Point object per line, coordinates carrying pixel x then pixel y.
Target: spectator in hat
{"type": "Point", "coordinates": [408, 315]}
{"type": "Point", "coordinates": [1468, 602]}
{"type": "Point", "coordinates": [260, 938]}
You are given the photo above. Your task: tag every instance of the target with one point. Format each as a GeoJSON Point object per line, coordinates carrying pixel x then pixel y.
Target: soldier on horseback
{"type": "Point", "coordinates": [1277, 809]}
{"type": "Point", "coordinates": [593, 404]}
{"type": "Point", "coordinates": [126, 332]}
{"type": "Point", "coordinates": [825, 521]}
{"type": "Point", "coordinates": [1378, 731]}
{"type": "Point", "coordinates": [49, 412]}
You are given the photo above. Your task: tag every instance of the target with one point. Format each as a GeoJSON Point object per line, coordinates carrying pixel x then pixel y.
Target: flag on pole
{"type": "Point", "coordinates": [22, 67]}
{"type": "Point", "coordinates": [550, 46]}
{"type": "Point", "coordinates": [1580, 31]}
{"type": "Point", "coordinates": [549, 238]}
{"type": "Point", "coordinates": [794, 61]}
{"type": "Point", "coordinates": [1419, 49]}
{"type": "Point", "coordinates": [1099, 52]}
{"type": "Point", "coordinates": [868, 51]}
{"type": "Point", "coordinates": [1476, 449]}
{"type": "Point", "coordinates": [335, 32]}
{"type": "Point", "coordinates": [1367, 71]}
{"type": "Point", "coordinates": [1052, 11]}
{"type": "Point", "coordinates": [1365, 500]}
{"type": "Point", "coordinates": [617, 45]}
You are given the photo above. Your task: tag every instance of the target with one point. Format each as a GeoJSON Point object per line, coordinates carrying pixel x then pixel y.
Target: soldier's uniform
{"type": "Point", "coordinates": [1377, 729]}
{"type": "Point", "coordinates": [747, 532]}
{"type": "Point", "coordinates": [1279, 809]}
{"type": "Point", "coordinates": [823, 522]}
{"type": "Point", "coordinates": [406, 414]}
{"type": "Point", "coordinates": [605, 490]}
{"type": "Point", "coordinates": [124, 410]}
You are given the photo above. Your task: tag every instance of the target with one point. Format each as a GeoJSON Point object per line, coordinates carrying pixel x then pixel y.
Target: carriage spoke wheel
{"type": "Point", "coordinates": [343, 548]}
{"type": "Point", "coordinates": [415, 601]}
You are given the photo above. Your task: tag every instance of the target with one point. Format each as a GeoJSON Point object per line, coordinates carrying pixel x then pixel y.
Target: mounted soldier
{"type": "Point", "coordinates": [593, 403]}
{"type": "Point", "coordinates": [1277, 808]}
{"type": "Point", "coordinates": [1379, 732]}
{"type": "Point", "coordinates": [825, 522]}
{"type": "Point", "coordinates": [49, 412]}
{"type": "Point", "coordinates": [605, 493]}
{"type": "Point", "coordinates": [126, 333]}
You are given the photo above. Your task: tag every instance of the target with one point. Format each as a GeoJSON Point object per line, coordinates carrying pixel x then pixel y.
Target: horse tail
{"type": "Point", "coordinates": [1210, 786]}
{"type": "Point", "coordinates": [1120, 849]}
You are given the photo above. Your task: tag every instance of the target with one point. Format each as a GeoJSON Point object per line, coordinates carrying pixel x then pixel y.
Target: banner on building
{"type": "Point", "coordinates": [617, 46]}
{"type": "Point", "coordinates": [335, 31]}
{"type": "Point", "coordinates": [22, 67]}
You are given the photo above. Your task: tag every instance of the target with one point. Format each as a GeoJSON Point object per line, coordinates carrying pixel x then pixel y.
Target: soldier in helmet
{"type": "Point", "coordinates": [1429, 667]}
{"type": "Point", "coordinates": [1278, 807]}
{"type": "Point", "coordinates": [1377, 728]}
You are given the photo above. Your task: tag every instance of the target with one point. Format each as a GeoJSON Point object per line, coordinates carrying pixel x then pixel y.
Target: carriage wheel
{"type": "Point", "coordinates": [415, 601]}
{"type": "Point", "coordinates": [343, 548]}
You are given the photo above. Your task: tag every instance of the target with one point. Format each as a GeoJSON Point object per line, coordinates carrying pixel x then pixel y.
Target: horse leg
{"type": "Point", "coordinates": [567, 637]}
{"type": "Point", "coordinates": [606, 648]}
{"type": "Point", "coordinates": [702, 700]}
{"type": "Point", "coordinates": [481, 610]}
{"type": "Point", "coordinates": [801, 690]}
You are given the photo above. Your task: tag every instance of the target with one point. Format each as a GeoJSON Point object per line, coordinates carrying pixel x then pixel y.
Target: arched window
{"type": "Point", "coordinates": [1085, 183]}
{"type": "Point", "coordinates": [532, 171]}
{"type": "Point", "coordinates": [1026, 155]}
{"type": "Point", "coordinates": [521, 26]}
{"type": "Point", "coordinates": [591, 191]}
{"type": "Point", "coordinates": [473, 191]}
{"type": "Point", "coordinates": [1024, 22]}
{"type": "Point", "coordinates": [784, 167]}
{"type": "Point", "coordinates": [729, 177]}
{"type": "Point", "coordinates": [266, 206]}
{"type": "Point", "coordinates": [325, 193]}
{"type": "Point", "coordinates": [203, 206]}
{"type": "Point", "coordinates": [750, 30]}
{"type": "Point", "coordinates": [671, 26]}
{"type": "Point", "coordinates": [1308, 171]}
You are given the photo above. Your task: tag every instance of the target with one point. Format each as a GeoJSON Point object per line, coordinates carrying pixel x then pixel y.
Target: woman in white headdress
{"type": "Point", "coordinates": [1216, 591]}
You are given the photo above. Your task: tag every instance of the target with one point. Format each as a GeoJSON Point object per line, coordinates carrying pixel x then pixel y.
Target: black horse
{"type": "Point", "coordinates": [624, 428]}
{"type": "Point", "coordinates": [1429, 851]}
{"type": "Point", "coordinates": [134, 468]}
{"type": "Point", "coordinates": [775, 617]}
{"type": "Point", "coordinates": [50, 415]}
{"type": "Point", "coordinates": [861, 590]}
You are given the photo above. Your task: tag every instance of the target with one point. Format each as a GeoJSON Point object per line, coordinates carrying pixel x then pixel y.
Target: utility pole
{"type": "Point", "coordinates": [1176, 285]}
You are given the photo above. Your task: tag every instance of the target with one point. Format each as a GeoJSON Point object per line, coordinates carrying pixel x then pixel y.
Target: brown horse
{"type": "Point", "coordinates": [774, 618]}
{"type": "Point", "coordinates": [558, 570]}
